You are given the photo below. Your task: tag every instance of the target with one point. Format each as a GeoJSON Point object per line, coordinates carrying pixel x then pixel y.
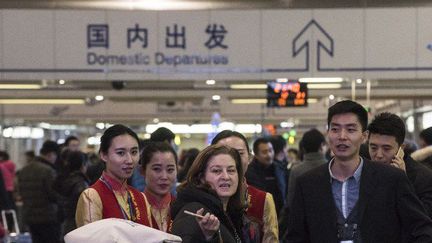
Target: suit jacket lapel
{"type": "Point", "coordinates": [328, 206]}
{"type": "Point", "coordinates": [367, 187]}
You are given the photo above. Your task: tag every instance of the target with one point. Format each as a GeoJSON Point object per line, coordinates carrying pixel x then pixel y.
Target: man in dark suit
{"type": "Point", "coordinates": [386, 137]}
{"type": "Point", "coordinates": [351, 199]}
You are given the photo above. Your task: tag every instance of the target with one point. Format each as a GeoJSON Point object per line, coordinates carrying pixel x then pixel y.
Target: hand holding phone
{"type": "Point", "coordinates": [398, 161]}
{"type": "Point", "coordinates": [208, 223]}
{"type": "Point", "coordinates": [400, 153]}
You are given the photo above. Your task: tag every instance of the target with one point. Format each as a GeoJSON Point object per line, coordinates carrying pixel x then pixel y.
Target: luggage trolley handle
{"type": "Point", "coordinates": [15, 221]}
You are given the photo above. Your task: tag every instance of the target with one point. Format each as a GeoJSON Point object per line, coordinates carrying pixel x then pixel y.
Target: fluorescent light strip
{"type": "Point", "coordinates": [205, 128]}
{"type": "Point", "coordinates": [324, 86]}
{"type": "Point", "coordinates": [42, 101]}
{"type": "Point", "coordinates": [248, 86]}
{"type": "Point", "coordinates": [282, 80]}
{"type": "Point", "coordinates": [249, 101]}
{"type": "Point", "coordinates": [20, 86]}
{"type": "Point", "coordinates": [321, 80]}
{"type": "Point", "coordinates": [144, 4]}
{"type": "Point", "coordinates": [264, 101]}
{"type": "Point", "coordinates": [312, 100]}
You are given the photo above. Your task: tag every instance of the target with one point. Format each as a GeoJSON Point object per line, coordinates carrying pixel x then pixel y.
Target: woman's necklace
{"type": "Point", "coordinates": [162, 218]}
{"type": "Point", "coordinates": [236, 236]}
{"type": "Point", "coordinates": [127, 202]}
{"type": "Point", "coordinates": [123, 198]}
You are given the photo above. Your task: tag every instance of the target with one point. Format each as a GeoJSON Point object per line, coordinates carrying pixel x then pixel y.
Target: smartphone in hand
{"type": "Point", "coordinates": [400, 153]}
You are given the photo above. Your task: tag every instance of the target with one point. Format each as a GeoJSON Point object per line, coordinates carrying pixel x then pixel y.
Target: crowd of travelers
{"type": "Point", "coordinates": [358, 182]}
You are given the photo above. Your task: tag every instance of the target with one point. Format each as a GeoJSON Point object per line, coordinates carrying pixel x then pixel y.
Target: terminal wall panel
{"type": "Point", "coordinates": [73, 50]}
{"type": "Point", "coordinates": [390, 44]}
{"type": "Point", "coordinates": [279, 31]}
{"type": "Point", "coordinates": [424, 43]}
{"type": "Point", "coordinates": [243, 44]}
{"type": "Point", "coordinates": [29, 44]}
{"type": "Point", "coordinates": [345, 28]}
{"type": "Point", "coordinates": [134, 37]}
{"type": "Point", "coordinates": [98, 113]}
{"type": "Point", "coordinates": [182, 53]}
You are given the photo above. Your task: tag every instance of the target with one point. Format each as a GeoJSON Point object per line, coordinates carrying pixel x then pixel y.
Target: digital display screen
{"type": "Point", "coordinates": [286, 94]}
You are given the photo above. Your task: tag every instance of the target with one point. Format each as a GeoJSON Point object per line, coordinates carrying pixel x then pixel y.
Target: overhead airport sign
{"type": "Point", "coordinates": [242, 44]}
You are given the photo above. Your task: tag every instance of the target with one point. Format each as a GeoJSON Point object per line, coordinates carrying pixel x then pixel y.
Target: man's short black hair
{"type": "Point", "coordinates": [388, 124]}
{"type": "Point", "coordinates": [426, 135]}
{"type": "Point", "coordinates": [49, 146]}
{"type": "Point", "coordinates": [69, 139]}
{"type": "Point", "coordinates": [162, 134]}
{"type": "Point", "coordinates": [312, 141]}
{"type": "Point", "coordinates": [278, 142]}
{"type": "Point", "coordinates": [348, 106]}
{"type": "Point", "coordinates": [258, 142]}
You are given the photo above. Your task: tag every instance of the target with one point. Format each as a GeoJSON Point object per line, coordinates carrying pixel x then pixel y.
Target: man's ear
{"type": "Point", "coordinates": [142, 170]}
{"type": "Point", "coordinates": [365, 136]}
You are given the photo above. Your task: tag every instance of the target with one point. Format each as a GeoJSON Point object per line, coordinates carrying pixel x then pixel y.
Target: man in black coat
{"type": "Point", "coordinates": [40, 207]}
{"type": "Point", "coordinates": [386, 137]}
{"type": "Point", "coordinates": [267, 175]}
{"type": "Point", "coordinates": [425, 141]}
{"type": "Point", "coordinates": [351, 199]}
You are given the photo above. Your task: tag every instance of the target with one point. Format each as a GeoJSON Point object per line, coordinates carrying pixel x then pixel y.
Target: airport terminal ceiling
{"type": "Point", "coordinates": [192, 102]}
{"type": "Point", "coordinates": [208, 4]}
{"type": "Point", "coordinates": [142, 102]}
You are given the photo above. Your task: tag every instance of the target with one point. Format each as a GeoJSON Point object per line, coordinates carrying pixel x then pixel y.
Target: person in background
{"type": "Point", "coordinates": [282, 165]}
{"type": "Point", "coordinates": [260, 223]}
{"type": "Point", "coordinates": [263, 174]}
{"type": "Point", "coordinates": [137, 180]}
{"type": "Point", "coordinates": [313, 145]}
{"type": "Point", "coordinates": [163, 134]}
{"type": "Point", "coordinates": [111, 196]}
{"type": "Point", "coordinates": [40, 201]}
{"type": "Point", "coordinates": [293, 156]}
{"type": "Point", "coordinates": [4, 197]}
{"type": "Point", "coordinates": [425, 137]}
{"type": "Point", "coordinates": [280, 151]}
{"type": "Point", "coordinates": [72, 143]}
{"type": "Point", "coordinates": [424, 154]}
{"type": "Point", "coordinates": [7, 167]}
{"type": "Point", "coordinates": [213, 191]}
{"type": "Point", "coordinates": [187, 160]}
{"type": "Point", "coordinates": [159, 167]}
{"type": "Point", "coordinates": [386, 137]}
{"type": "Point", "coordinates": [95, 168]}
{"type": "Point", "coordinates": [409, 146]}
{"type": "Point", "coordinates": [70, 185]}
{"type": "Point", "coordinates": [29, 156]}
{"type": "Point", "coordinates": [351, 199]}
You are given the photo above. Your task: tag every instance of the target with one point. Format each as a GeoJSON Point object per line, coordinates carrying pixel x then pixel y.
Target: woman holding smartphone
{"type": "Point", "coordinates": [110, 196]}
{"type": "Point", "coordinates": [159, 168]}
{"type": "Point", "coordinates": [212, 191]}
